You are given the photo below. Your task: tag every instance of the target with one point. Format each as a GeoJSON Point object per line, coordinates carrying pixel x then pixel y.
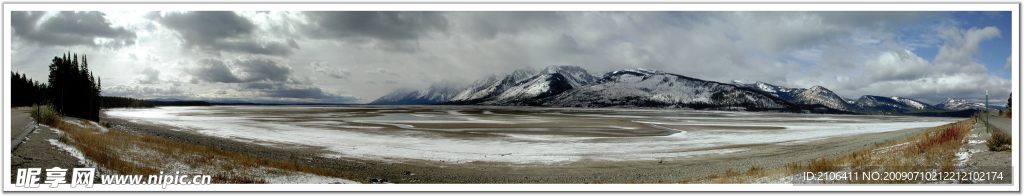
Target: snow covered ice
{"type": "Point", "coordinates": [457, 134]}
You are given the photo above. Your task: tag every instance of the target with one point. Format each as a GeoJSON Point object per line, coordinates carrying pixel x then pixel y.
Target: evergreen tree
{"type": "Point", "coordinates": [25, 91]}
{"type": "Point", "coordinates": [73, 91]}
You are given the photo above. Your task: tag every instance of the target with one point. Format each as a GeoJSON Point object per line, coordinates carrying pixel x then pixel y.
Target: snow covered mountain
{"type": "Point", "coordinates": [815, 95]}
{"type": "Point", "coordinates": [550, 81]}
{"type": "Point", "coordinates": [648, 88]}
{"type": "Point", "coordinates": [477, 89]}
{"type": "Point", "coordinates": [788, 94]}
{"type": "Point", "coordinates": [397, 97]}
{"type": "Point", "coordinates": [914, 103]}
{"type": "Point", "coordinates": [823, 96]}
{"type": "Point", "coordinates": [960, 104]}
{"type": "Point", "coordinates": [879, 104]}
{"type": "Point", "coordinates": [437, 93]}
{"type": "Point", "coordinates": [850, 101]}
{"type": "Point", "coordinates": [491, 86]}
{"type": "Point", "coordinates": [572, 86]}
{"type": "Point", "coordinates": [524, 86]}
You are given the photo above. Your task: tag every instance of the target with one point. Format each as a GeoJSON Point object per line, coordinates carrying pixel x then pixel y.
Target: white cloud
{"type": "Point", "coordinates": [1009, 61]}
{"type": "Point", "coordinates": [900, 72]}
{"type": "Point", "coordinates": [896, 65]}
{"type": "Point", "coordinates": [961, 45]}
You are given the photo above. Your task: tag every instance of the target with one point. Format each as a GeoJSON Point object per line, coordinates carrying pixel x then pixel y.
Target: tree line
{"type": "Point", "coordinates": [125, 102]}
{"type": "Point", "coordinates": [26, 92]}
{"type": "Point", "coordinates": [128, 102]}
{"type": "Point", "coordinates": [72, 90]}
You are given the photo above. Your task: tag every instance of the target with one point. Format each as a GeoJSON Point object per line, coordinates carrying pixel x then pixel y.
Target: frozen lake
{"type": "Point", "coordinates": [513, 134]}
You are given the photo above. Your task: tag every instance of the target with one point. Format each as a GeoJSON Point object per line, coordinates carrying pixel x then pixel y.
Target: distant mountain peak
{"type": "Point", "coordinates": [892, 104]}
{"type": "Point", "coordinates": [823, 96]}
{"type": "Point", "coordinates": [788, 94]}
{"type": "Point", "coordinates": [556, 68]}
{"type": "Point", "coordinates": [651, 88]}
{"type": "Point", "coordinates": [960, 104]}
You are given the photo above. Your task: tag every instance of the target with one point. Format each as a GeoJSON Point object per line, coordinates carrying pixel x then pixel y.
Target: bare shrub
{"type": "Point", "coordinates": [999, 141]}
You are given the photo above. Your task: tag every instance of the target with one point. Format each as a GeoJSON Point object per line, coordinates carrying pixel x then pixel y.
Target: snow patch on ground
{"type": "Point", "coordinates": [73, 121]}
{"type": "Point", "coordinates": [306, 178]}
{"type": "Point", "coordinates": [965, 153]}
{"type": "Point", "coordinates": [71, 150]}
{"type": "Point", "coordinates": [101, 128]}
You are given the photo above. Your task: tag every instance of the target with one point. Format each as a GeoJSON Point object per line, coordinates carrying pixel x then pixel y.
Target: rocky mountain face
{"type": "Point", "coordinates": [489, 87]}
{"type": "Point", "coordinates": [548, 82]}
{"type": "Point", "coordinates": [788, 94]}
{"type": "Point", "coordinates": [879, 104]}
{"type": "Point", "coordinates": [648, 88]}
{"type": "Point", "coordinates": [825, 97]}
{"type": "Point", "coordinates": [573, 86]}
{"type": "Point", "coordinates": [960, 104]}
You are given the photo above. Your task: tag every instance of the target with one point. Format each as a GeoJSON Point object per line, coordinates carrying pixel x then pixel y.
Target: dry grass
{"type": "Point", "coordinates": [933, 150]}
{"type": "Point", "coordinates": [999, 141]}
{"type": "Point", "coordinates": [44, 114]}
{"type": "Point", "coordinates": [752, 175]}
{"type": "Point", "coordinates": [125, 153]}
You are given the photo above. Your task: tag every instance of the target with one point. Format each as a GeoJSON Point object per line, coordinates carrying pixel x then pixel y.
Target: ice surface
{"type": "Point", "coordinates": [524, 146]}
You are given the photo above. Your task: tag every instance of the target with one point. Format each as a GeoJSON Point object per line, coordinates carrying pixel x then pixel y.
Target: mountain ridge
{"type": "Point", "coordinates": [573, 86]}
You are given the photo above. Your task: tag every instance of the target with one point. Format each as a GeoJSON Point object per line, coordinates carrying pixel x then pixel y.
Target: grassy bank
{"type": "Point", "coordinates": [933, 150]}
{"type": "Point", "coordinates": [130, 154]}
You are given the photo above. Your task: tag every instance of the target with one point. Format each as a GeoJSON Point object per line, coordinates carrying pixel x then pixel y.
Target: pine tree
{"type": "Point", "coordinates": [72, 87]}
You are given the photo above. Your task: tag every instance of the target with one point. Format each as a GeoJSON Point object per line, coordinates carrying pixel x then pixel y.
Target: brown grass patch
{"type": "Point", "coordinates": [999, 141]}
{"type": "Point", "coordinates": [935, 149]}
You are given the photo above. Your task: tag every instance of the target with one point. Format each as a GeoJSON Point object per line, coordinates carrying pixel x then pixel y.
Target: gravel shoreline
{"type": "Point", "coordinates": [767, 156]}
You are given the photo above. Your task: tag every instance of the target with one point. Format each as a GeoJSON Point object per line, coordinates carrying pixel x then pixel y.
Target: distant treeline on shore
{"type": "Point", "coordinates": [127, 102]}
{"type": "Point", "coordinates": [70, 88]}
{"type": "Point", "coordinates": [28, 92]}
{"type": "Point", "coordinates": [73, 91]}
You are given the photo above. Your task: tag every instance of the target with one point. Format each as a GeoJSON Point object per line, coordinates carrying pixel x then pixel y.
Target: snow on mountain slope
{"type": "Point", "coordinates": [575, 75]}
{"type": "Point", "coordinates": [551, 81]}
{"type": "Point", "coordinates": [437, 93]}
{"type": "Point", "coordinates": [960, 104]}
{"type": "Point", "coordinates": [850, 101]}
{"type": "Point", "coordinates": [788, 94]}
{"type": "Point", "coordinates": [647, 88]}
{"type": "Point", "coordinates": [891, 104]}
{"type": "Point", "coordinates": [476, 89]}
{"type": "Point", "coordinates": [823, 96]}
{"type": "Point", "coordinates": [913, 103]}
{"type": "Point", "coordinates": [441, 91]}
{"type": "Point", "coordinates": [489, 87]}
{"type": "Point", "coordinates": [396, 97]}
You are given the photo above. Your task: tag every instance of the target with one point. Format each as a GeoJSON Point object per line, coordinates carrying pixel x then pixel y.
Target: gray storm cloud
{"type": "Point", "coordinates": [240, 70]}
{"type": "Point", "coordinates": [221, 31]}
{"type": "Point", "coordinates": [69, 29]}
{"type": "Point", "coordinates": [388, 26]}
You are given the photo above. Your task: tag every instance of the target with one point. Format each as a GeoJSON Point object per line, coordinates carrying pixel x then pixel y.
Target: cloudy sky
{"type": "Point", "coordinates": [355, 57]}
